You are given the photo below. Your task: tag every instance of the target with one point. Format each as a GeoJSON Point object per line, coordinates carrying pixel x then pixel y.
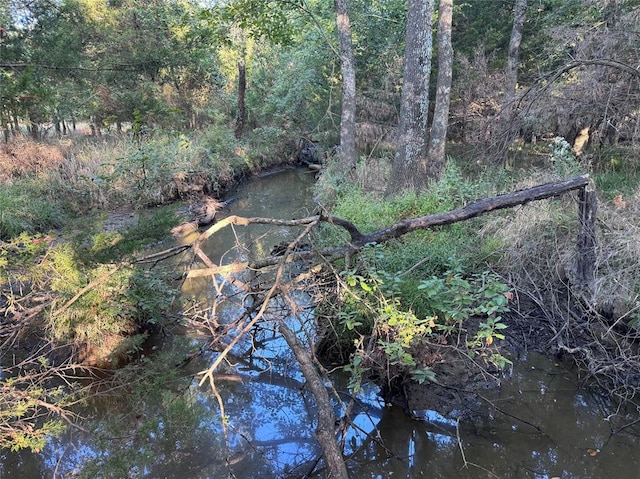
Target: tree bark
{"type": "Point", "coordinates": [508, 129]}
{"type": "Point", "coordinates": [587, 209]}
{"type": "Point", "coordinates": [511, 74]}
{"type": "Point", "coordinates": [439, 126]}
{"type": "Point", "coordinates": [469, 211]}
{"type": "Point", "coordinates": [242, 88]}
{"type": "Point", "coordinates": [359, 240]}
{"type": "Point", "coordinates": [409, 169]}
{"type": "Point", "coordinates": [347, 66]}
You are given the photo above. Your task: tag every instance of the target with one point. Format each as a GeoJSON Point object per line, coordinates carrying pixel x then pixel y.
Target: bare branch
{"type": "Point", "coordinates": [476, 208]}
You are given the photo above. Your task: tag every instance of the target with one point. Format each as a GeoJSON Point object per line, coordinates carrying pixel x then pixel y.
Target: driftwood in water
{"type": "Point", "coordinates": [211, 208]}
{"type": "Point", "coordinates": [206, 213]}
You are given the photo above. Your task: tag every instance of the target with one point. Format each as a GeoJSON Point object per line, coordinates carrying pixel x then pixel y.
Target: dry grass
{"type": "Point", "coordinates": [24, 157]}
{"type": "Point", "coordinates": [597, 325]}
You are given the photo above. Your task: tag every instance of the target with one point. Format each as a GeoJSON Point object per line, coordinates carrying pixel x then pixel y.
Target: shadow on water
{"type": "Point", "coordinates": [541, 424]}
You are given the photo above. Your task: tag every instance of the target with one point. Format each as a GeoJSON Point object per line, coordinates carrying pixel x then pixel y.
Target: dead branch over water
{"type": "Point", "coordinates": [260, 295]}
{"type": "Point", "coordinates": [281, 285]}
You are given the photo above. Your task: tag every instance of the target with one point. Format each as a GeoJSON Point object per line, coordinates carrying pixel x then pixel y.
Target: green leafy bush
{"type": "Point", "coordinates": [455, 298]}
{"type": "Point", "coordinates": [390, 338]}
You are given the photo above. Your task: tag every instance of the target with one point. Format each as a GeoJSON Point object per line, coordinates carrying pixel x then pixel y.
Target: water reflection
{"type": "Point", "coordinates": [176, 429]}
{"type": "Point", "coordinates": [572, 422]}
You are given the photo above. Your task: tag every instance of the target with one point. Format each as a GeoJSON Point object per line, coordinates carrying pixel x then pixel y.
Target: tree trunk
{"type": "Point", "coordinates": [472, 210]}
{"type": "Point", "coordinates": [438, 139]}
{"type": "Point", "coordinates": [347, 62]}
{"type": "Point", "coordinates": [34, 130]}
{"type": "Point", "coordinates": [409, 168]}
{"type": "Point", "coordinates": [511, 74]}
{"type": "Point", "coordinates": [242, 88]}
{"type": "Point", "coordinates": [586, 254]}
{"type": "Point", "coordinates": [507, 127]}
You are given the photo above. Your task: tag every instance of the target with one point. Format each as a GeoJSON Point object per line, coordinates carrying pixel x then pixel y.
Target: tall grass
{"type": "Point", "coordinates": [41, 181]}
{"type": "Point", "coordinates": [25, 207]}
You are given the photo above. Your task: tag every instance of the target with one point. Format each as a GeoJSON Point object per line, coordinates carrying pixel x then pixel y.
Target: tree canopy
{"type": "Point", "coordinates": [173, 64]}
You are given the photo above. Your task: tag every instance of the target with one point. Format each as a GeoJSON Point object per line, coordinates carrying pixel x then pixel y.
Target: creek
{"type": "Point", "coordinates": [541, 423]}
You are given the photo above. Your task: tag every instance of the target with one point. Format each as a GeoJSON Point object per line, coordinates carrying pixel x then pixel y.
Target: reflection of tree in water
{"type": "Point", "coordinates": [268, 418]}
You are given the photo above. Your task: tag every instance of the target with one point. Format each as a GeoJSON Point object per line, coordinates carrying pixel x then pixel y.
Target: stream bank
{"type": "Point", "coordinates": [527, 429]}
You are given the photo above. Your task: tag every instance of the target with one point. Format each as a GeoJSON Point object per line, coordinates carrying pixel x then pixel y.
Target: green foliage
{"type": "Point", "coordinates": [455, 297]}
{"type": "Point", "coordinates": [28, 406]}
{"type": "Point", "coordinates": [371, 214]}
{"type": "Point", "coordinates": [123, 306]}
{"type": "Point", "coordinates": [261, 19]}
{"type": "Point", "coordinates": [266, 144]}
{"type": "Point", "coordinates": [155, 71]}
{"type": "Point", "coordinates": [151, 227]}
{"type": "Point", "coordinates": [374, 310]}
{"type": "Point", "coordinates": [271, 99]}
{"type": "Point", "coordinates": [20, 256]}
{"type": "Point", "coordinates": [404, 314]}
{"type": "Point", "coordinates": [484, 24]}
{"type": "Point", "coordinates": [428, 252]}
{"type": "Point", "coordinates": [563, 159]}
{"type": "Point", "coordinates": [149, 169]}
{"type": "Point", "coordinates": [397, 331]}
{"type": "Point", "coordinates": [116, 313]}
{"type": "Point", "coordinates": [23, 208]}
{"type": "Point", "coordinates": [617, 171]}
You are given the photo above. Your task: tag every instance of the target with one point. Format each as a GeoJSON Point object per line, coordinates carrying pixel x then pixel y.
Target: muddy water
{"type": "Point", "coordinates": [541, 424]}
{"type": "Point", "coordinates": [545, 426]}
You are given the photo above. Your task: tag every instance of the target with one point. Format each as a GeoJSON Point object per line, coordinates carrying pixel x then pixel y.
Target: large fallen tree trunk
{"type": "Point", "coordinates": [325, 431]}
{"type": "Point", "coordinates": [358, 239]}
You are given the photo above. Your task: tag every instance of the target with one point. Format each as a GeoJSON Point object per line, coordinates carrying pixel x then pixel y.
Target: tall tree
{"type": "Point", "coordinates": [241, 114]}
{"type": "Point", "coordinates": [439, 126]}
{"type": "Point", "coordinates": [409, 169]}
{"type": "Point", "coordinates": [507, 128]}
{"type": "Point", "coordinates": [348, 68]}
{"type": "Point", "coordinates": [511, 74]}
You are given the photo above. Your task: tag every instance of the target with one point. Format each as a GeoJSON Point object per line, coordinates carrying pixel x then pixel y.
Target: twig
{"type": "Point", "coordinates": [512, 416]}
{"type": "Point", "coordinates": [464, 457]}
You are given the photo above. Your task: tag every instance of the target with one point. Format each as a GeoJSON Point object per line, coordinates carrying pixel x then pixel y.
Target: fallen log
{"type": "Point", "coordinates": [472, 210]}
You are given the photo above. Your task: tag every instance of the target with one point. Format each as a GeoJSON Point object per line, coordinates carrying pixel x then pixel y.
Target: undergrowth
{"type": "Point", "coordinates": [67, 282]}
{"type": "Point", "coordinates": [25, 207]}
{"type": "Point", "coordinates": [408, 298]}
{"type": "Point", "coordinates": [74, 178]}
{"type": "Point", "coordinates": [530, 248]}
